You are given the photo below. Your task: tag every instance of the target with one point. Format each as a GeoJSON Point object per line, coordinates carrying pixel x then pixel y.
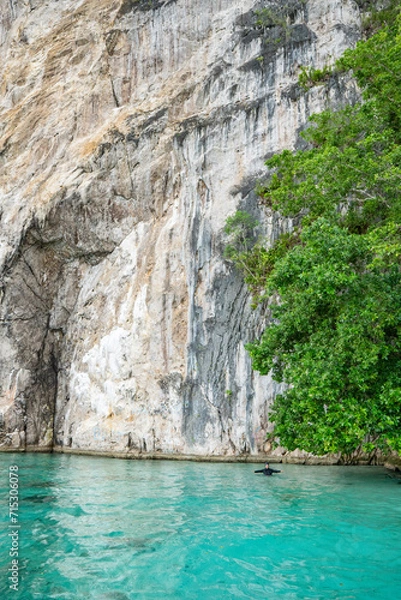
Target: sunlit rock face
{"type": "Point", "coordinates": [129, 131]}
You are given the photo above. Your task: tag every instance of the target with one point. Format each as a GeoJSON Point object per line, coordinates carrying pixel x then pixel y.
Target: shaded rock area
{"type": "Point", "coordinates": [129, 131]}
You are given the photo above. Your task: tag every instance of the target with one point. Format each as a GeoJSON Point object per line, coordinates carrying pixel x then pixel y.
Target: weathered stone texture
{"type": "Point", "coordinates": [129, 131]}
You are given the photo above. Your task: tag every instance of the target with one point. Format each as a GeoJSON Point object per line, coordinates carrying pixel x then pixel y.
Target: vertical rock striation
{"type": "Point", "coordinates": [129, 131]}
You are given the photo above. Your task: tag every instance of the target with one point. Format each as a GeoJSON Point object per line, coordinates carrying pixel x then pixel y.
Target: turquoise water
{"type": "Point", "coordinates": [105, 529]}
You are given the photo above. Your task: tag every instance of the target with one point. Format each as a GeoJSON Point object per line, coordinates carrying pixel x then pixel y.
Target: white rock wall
{"type": "Point", "coordinates": [129, 131]}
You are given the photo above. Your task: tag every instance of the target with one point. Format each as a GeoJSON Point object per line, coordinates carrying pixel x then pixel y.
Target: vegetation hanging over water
{"type": "Point", "coordinates": [334, 283]}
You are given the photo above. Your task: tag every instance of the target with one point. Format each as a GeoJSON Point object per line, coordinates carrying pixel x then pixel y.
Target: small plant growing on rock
{"type": "Point", "coordinates": [311, 77]}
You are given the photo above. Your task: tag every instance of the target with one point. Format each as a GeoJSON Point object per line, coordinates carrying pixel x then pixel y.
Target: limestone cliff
{"type": "Point", "coordinates": [129, 131]}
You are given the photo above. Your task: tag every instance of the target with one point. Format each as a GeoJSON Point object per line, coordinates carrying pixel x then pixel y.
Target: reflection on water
{"type": "Point", "coordinates": [107, 529]}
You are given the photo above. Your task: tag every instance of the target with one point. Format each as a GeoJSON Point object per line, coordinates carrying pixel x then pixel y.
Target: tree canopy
{"type": "Point", "coordinates": [334, 283]}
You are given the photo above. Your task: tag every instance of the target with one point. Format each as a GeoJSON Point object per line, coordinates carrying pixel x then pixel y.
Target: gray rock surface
{"type": "Point", "coordinates": [129, 131]}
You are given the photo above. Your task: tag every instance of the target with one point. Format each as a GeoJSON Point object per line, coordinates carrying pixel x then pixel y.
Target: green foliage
{"type": "Point", "coordinates": [353, 164]}
{"type": "Point", "coordinates": [243, 248]}
{"type": "Point", "coordinates": [278, 13]}
{"type": "Point", "coordinates": [335, 282]}
{"type": "Point", "coordinates": [275, 22]}
{"type": "Point", "coordinates": [240, 231]}
{"type": "Point", "coordinates": [377, 15]}
{"type": "Point", "coordinates": [267, 17]}
{"type": "Point", "coordinates": [336, 340]}
{"type": "Point", "coordinates": [310, 76]}
{"type": "Point", "coordinates": [249, 253]}
{"type": "Point", "coordinates": [375, 18]}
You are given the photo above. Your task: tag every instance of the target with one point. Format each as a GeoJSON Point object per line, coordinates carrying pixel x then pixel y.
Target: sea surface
{"type": "Point", "coordinates": [112, 529]}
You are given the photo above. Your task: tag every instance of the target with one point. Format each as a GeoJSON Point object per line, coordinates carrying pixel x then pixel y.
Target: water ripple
{"type": "Point", "coordinates": [104, 529]}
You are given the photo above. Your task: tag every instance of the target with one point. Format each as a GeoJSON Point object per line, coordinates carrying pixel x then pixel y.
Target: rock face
{"type": "Point", "coordinates": [129, 131]}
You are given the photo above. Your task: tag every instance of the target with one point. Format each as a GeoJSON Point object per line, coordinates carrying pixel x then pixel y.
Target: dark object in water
{"type": "Point", "coordinates": [39, 498]}
{"type": "Point", "coordinates": [267, 470]}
